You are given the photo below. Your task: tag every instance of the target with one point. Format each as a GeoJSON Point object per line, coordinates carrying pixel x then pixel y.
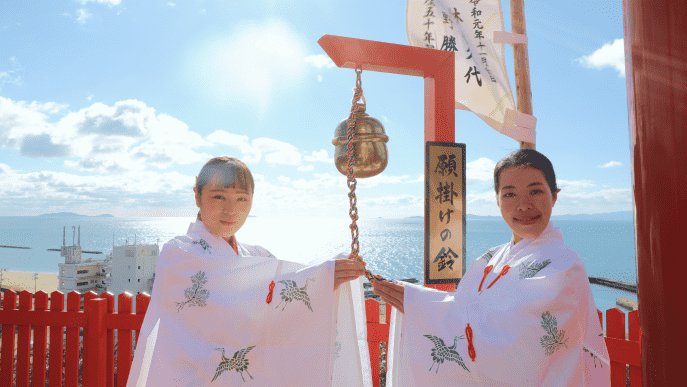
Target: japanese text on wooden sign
{"type": "Point", "coordinates": [444, 212]}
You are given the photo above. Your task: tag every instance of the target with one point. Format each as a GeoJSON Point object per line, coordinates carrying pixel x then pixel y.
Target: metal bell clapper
{"type": "Point", "coordinates": [371, 156]}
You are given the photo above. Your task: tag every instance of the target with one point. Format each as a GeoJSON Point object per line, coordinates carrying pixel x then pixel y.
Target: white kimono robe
{"type": "Point", "coordinates": [534, 324]}
{"type": "Point", "coordinates": [209, 323]}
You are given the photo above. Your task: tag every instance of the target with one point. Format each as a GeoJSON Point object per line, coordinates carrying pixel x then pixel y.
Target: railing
{"type": "Point", "coordinates": [99, 322]}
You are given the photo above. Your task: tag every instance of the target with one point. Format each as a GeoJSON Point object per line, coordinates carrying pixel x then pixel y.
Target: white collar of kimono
{"type": "Point", "coordinates": [549, 232]}
{"type": "Point", "coordinates": [199, 228]}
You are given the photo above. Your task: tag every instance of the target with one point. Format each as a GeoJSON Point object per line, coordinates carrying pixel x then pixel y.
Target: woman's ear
{"type": "Point", "coordinates": [197, 195]}
{"type": "Point", "coordinates": [555, 197]}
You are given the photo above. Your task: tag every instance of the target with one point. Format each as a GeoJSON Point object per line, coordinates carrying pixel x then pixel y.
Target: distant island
{"type": "Point", "coordinates": [607, 216]}
{"type": "Point", "coordinates": [72, 214]}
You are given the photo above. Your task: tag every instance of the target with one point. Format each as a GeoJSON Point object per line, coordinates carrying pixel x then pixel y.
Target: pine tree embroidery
{"type": "Point", "coordinates": [441, 352]}
{"type": "Point", "coordinates": [555, 337]}
{"type": "Point", "coordinates": [292, 292]}
{"type": "Point", "coordinates": [237, 362]}
{"type": "Point", "coordinates": [195, 295]}
{"type": "Point", "coordinates": [532, 269]}
{"type": "Point", "coordinates": [204, 245]}
{"type": "Point", "coordinates": [594, 356]}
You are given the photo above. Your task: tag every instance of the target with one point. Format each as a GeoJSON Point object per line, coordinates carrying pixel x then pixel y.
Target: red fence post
{"type": "Point", "coordinates": [95, 342]}
{"type": "Point", "coordinates": [123, 342]}
{"type": "Point", "coordinates": [24, 342]}
{"type": "Point", "coordinates": [56, 350]}
{"type": "Point", "coordinates": [615, 328]}
{"type": "Point", "coordinates": [635, 335]}
{"type": "Point", "coordinates": [7, 354]}
{"type": "Point", "coordinates": [71, 353]}
{"type": "Point", "coordinates": [373, 338]}
{"type": "Point", "coordinates": [109, 343]}
{"type": "Point", "coordinates": [86, 351]}
{"type": "Point", "coordinates": [39, 343]}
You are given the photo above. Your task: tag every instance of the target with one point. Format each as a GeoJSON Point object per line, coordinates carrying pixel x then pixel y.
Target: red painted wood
{"type": "Point", "coordinates": [39, 344]}
{"type": "Point", "coordinates": [110, 341]}
{"type": "Point", "coordinates": [656, 53]}
{"type": "Point", "coordinates": [123, 321]}
{"type": "Point", "coordinates": [43, 318]}
{"type": "Point", "coordinates": [124, 357]}
{"type": "Point", "coordinates": [615, 329]}
{"type": "Point", "coordinates": [7, 353]}
{"type": "Point", "coordinates": [95, 340]}
{"type": "Point", "coordinates": [87, 349]}
{"type": "Point", "coordinates": [372, 316]}
{"type": "Point", "coordinates": [24, 342]}
{"type": "Point", "coordinates": [635, 336]}
{"type": "Point", "coordinates": [71, 359]}
{"type": "Point", "coordinates": [56, 341]}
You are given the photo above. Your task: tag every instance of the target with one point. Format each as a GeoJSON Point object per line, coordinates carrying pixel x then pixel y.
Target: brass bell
{"type": "Point", "coordinates": [370, 140]}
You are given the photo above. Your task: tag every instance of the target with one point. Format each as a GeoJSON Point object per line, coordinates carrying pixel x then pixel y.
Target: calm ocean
{"type": "Point", "coordinates": [391, 247]}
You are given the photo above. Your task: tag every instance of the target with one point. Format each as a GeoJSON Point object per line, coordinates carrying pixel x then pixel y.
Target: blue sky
{"type": "Point", "coordinates": [113, 106]}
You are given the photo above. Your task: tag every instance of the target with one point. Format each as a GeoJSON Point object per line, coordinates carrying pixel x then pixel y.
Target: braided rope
{"type": "Point", "coordinates": [351, 180]}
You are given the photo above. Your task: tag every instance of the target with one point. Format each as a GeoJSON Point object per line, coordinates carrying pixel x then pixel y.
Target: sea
{"type": "Point", "coordinates": [391, 247]}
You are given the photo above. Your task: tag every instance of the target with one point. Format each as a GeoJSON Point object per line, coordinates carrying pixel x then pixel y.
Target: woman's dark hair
{"type": "Point", "coordinates": [228, 172]}
{"type": "Point", "coordinates": [526, 158]}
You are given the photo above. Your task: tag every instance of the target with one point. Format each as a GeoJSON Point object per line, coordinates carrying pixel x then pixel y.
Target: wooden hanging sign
{"type": "Point", "coordinates": [444, 212]}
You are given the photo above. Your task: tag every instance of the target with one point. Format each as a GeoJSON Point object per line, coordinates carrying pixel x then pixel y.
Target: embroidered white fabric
{"type": "Point", "coordinates": [208, 322]}
{"type": "Point", "coordinates": [537, 325]}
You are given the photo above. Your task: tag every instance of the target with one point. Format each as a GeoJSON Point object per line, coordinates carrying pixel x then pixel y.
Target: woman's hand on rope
{"type": "Point", "coordinates": [390, 293]}
{"type": "Point", "coordinates": [347, 270]}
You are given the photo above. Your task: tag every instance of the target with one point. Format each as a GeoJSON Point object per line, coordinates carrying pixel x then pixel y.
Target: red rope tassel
{"type": "Point", "coordinates": [486, 271]}
{"type": "Point", "coordinates": [471, 348]}
{"type": "Point", "coordinates": [269, 295]}
{"type": "Point", "coordinates": [504, 271]}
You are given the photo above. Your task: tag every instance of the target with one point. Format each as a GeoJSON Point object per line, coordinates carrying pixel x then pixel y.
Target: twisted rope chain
{"type": "Point", "coordinates": [351, 180]}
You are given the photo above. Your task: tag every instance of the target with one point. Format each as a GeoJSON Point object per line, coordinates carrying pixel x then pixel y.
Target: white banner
{"type": "Point", "coordinates": [467, 28]}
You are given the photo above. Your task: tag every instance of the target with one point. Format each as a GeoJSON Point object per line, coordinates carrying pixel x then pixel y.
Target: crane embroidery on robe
{"type": "Point", "coordinates": [532, 269]}
{"type": "Point", "coordinates": [594, 356]}
{"type": "Point", "coordinates": [238, 362]}
{"type": "Point", "coordinates": [195, 295]}
{"type": "Point", "coordinates": [292, 292]}
{"type": "Point", "coordinates": [555, 337]}
{"type": "Point", "coordinates": [204, 245]}
{"type": "Point", "coordinates": [441, 352]}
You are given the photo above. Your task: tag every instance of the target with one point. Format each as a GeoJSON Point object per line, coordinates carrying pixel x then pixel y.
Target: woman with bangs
{"type": "Point", "coordinates": [523, 314]}
{"type": "Point", "coordinates": [228, 313]}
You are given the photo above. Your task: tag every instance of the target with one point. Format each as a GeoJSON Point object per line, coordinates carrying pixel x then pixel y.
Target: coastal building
{"type": "Point", "coordinates": [133, 268]}
{"type": "Point", "coordinates": [82, 275]}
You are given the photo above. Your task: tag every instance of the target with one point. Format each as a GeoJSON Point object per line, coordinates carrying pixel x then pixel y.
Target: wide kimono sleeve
{"type": "Point", "coordinates": [535, 326]}
{"type": "Point", "coordinates": [248, 321]}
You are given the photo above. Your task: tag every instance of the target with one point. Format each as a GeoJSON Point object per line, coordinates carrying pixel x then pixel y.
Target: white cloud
{"type": "Point", "coordinates": [99, 138]}
{"type": "Point", "coordinates": [611, 164]}
{"type": "Point", "coordinates": [567, 186]}
{"type": "Point", "coordinates": [252, 65]}
{"type": "Point", "coordinates": [90, 97]}
{"type": "Point", "coordinates": [481, 170]}
{"type": "Point", "coordinates": [319, 78]}
{"type": "Point", "coordinates": [274, 151]}
{"type": "Point", "coordinates": [111, 2]}
{"type": "Point", "coordinates": [420, 179]}
{"type": "Point", "coordinates": [171, 5]}
{"type": "Point", "coordinates": [10, 75]}
{"type": "Point", "coordinates": [305, 168]}
{"type": "Point", "coordinates": [609, 55]}
{"type": "Point", "coordinates": [381, 179]}
{"type": "Point", "coordinates": [321, 155]}
{"type": "Point", "coordinates": [82, 15]}
{"type": "Point", "coordinates": [319, 61]}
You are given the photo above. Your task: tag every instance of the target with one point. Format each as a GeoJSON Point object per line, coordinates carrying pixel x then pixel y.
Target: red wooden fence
{"type": "Point", "coordinates": [100, 321]}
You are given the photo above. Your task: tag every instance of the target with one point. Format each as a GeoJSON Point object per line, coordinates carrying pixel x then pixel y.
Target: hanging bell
{"type": "Point", "coordinates": [370, 140]}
